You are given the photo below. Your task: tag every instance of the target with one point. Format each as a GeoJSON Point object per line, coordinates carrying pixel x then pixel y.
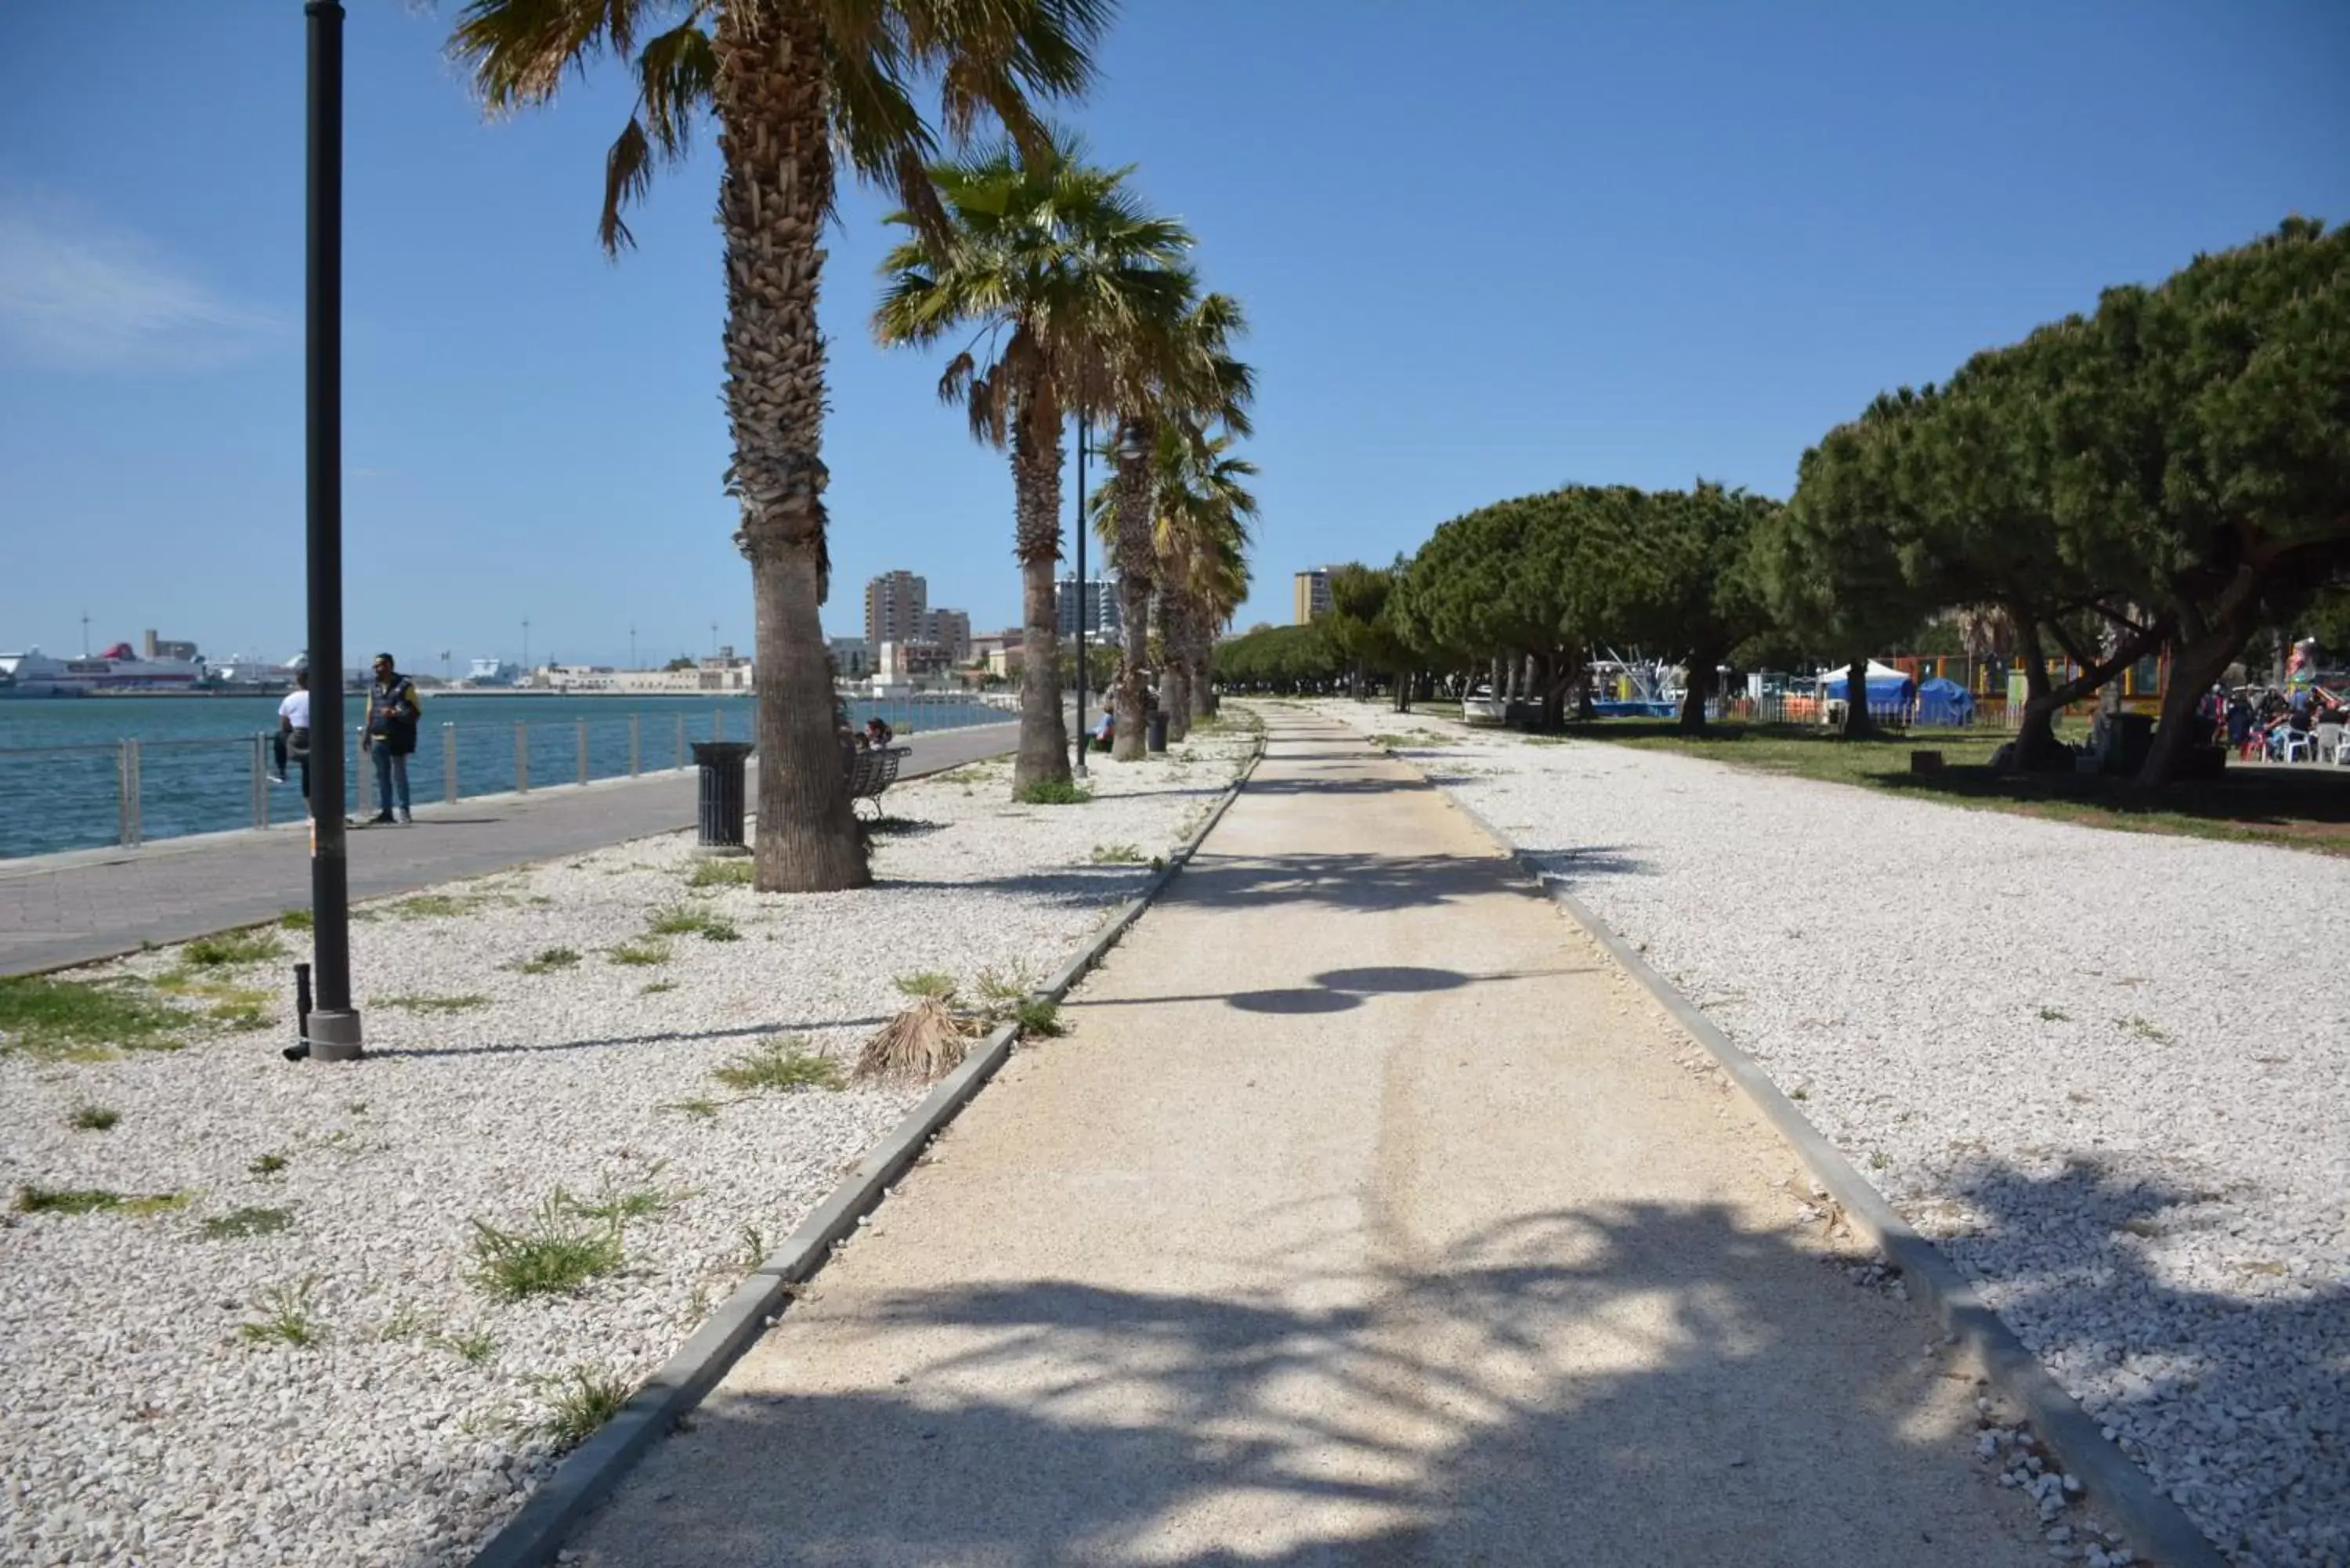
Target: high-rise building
{"type": "Point", "coordinates": [1312, 593]}
{"type": "Point", "coordinates": [1105, 611]}
{"type": "Point", "coordinates": [895, 603]}
{"type": "Point", "coordinates": [950, 631]}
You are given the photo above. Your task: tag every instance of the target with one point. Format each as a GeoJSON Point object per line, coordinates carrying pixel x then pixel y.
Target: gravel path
{"type": "Point", "coordinates": [143, 1425]}
{"type": "Point", "coordinates": [2108, 1073]}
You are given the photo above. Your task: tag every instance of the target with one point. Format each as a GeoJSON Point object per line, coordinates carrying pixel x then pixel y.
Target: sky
{"type": "Point", "coordinates": [1487, 247]}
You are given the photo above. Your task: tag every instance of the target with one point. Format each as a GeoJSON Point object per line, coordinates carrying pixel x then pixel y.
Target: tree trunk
{"type": "Point", "coordinates": [1044, 754]}
{"type": "Point", "coordinates": [1403, 680]}
{"type": "Point", "coordinates": [2200, 655]}
{"type": "Point", "coordinates": [1697, 688]}
{"type": "Point", "coordinates": [1137, 563]}
{"type": "Point", "coordinates": [1857, 724]}
{"type": "Point", "coordinates": [1204, 666]}
{"type": "Point", "coordinates": [775, 186]}
{"type": "Point", "coordinates": [2036, 746]}
{"type": "Point", "coordinates": [1581, 675]}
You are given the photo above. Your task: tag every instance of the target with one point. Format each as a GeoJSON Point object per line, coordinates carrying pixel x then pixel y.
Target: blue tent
{"type": "Point", "coordinates": [1941, 701]}
{"type": "Point", "coordinates": [1887, 687]}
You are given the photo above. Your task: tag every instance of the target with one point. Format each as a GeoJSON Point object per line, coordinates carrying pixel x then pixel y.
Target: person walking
{"type": "Point", "coordinates": [294, 731]}
{"type": "Point", "coordinates": [393, 715]}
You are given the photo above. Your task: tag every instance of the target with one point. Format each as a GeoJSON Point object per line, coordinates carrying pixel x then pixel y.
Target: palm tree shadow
{"type": "Point", "coordinates": [1614, 1386]}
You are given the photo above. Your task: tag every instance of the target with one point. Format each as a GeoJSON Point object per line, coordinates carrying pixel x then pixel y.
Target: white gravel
{"type": "Point", "coordinates": [2109, 1073]}
{"type": "Point", "coordinates": [140, 1427]}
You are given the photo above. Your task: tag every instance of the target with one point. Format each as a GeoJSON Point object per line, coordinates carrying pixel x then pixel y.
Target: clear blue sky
{"type": "Point", "coordinates": [1490, 246]}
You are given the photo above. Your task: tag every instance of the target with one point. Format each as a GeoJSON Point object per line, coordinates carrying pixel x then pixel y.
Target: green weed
{"type": "Point", "coordinates": [638, 954]}
{"type": "Point", "coordinates": [433, 906]}
{"type": "Point", "coordinates": [35, 1198]}
{"type": "Point", "coordinates": [587, 1398]}
{"type": "Point", "coordinates": [1118, 854]}
{"type": "Point", "coordinates": [267, 1165]}
{"type": "Point", "coordinates": [230, 949]}
{"type": "Point", "coordinates": [2146, 1030]}
{"type": "Point", "coordinates": [679, 920]}
{"type": "Point", "coordinates": [285, 1317]}
{"type": "Point", "coordinates": [465, 1002]}
{"type": "Point", "coordinates": [728, 871]}
{"type": "Point", "coordinates": [72, 1017]}
{"type": "Point", "coordinates": [92, 1118]}
{"type": "Point", "coordinates": [550, 961]}
{"type": "Point", "coordinates": [2054, 1015]}
{"type": "Point", "coordinates": [1040, 1017]}
{"type": "Point", "coordinates": [1051, 792]}
{"type": "Point", "coordinates": [239, 1223]}
{"type": "Point", "coordinates": [617, 1204]}
{"type": "Point", "coordinates": [556, 1251]}
{"type": "Point", "coordinates": [782, 1064]}
{"type": "Point", "coordinates": [701, 1108]}
{"type": "Point", "coordinates": [296, 919]}
{"type": "Point", "coordinates": [473, 1348]}
{"type": "Point", "coordinates": [656, 987]}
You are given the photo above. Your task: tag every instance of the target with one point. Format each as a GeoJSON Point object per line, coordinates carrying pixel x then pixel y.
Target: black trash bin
{"type": "Point", "coordinates": [1155, 729]}
{"type": "Point", "coordinates": [721, 817]}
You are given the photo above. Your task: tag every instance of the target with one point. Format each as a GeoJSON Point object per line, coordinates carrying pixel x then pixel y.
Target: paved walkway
{"type": "Point", "coordinates": [1369, 1216]}
{"type": "Point", "coordinates": [59, 909]}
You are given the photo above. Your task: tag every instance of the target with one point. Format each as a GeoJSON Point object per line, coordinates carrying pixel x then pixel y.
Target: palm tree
{"type": "Point", "coordinates": [1055, 267]}
{"type": "Point", "coordinates": [1201, 541]}
{"type": "Point", "coordinates": [1178, 381]}
{"type": "Point", "coordinates": [793, 85]}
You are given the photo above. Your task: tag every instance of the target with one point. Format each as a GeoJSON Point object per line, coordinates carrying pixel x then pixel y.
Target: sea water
{"type": "Point", "coordinates": [60, 758]}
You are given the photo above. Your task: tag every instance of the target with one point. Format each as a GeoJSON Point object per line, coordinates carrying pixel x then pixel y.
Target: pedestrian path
{"type": "Point", "coordinates": [59, 910]}
{"type": "Point", "coordinates": [1369, 1215]}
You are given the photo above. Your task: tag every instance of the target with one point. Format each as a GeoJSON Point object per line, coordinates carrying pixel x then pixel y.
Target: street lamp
{"type": "Point", "coordinates": [332, 1031]}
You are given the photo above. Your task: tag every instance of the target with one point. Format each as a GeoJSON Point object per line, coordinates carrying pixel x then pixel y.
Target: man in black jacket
{"type": "Point", "coordinates": [392, 713]}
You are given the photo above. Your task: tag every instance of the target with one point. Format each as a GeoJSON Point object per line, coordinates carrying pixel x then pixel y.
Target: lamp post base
{"type": "Point", "coordinates": [334, 1036]}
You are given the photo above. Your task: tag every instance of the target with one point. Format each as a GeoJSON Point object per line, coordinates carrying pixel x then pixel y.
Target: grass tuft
{"type": "Point", "coordinates": [239, 1223]}
{"type": "Point", "coordinates": [617, 1204]}
{"type": "Point", "coordinates": [701, 1108]}
{"type": "Point", "coordinates": [267, 1165]}
{"type": "Point", "coordinates": [35, 1198]}
{"type": "Point", "coordinates": [285, 1317]}
{"type": "Point", "coordinates": [656, 987]}
{"type": "Point", "coordinates": [638, 954]}
{"type": "Point", "coordinates": [727, 871]}
{"type": "Point", "coordinates": [550, 961]}
{"type": "Point", "coordinates": [420, 1003]}
{"type": "Point", "coordinates": [296, 919]}
{"type": "Point", "coordinates": [681, 920]}
{"type": "Point", "coordinates": [473, 1348]}
{"type": "Point", "coordinates": [1118, 854]}
{"type": "Point", "coordinates": [556, 1252]}
{"type": "Point", "coordinates": [587, 1398]}
{"type": "Point", "coordinates": [783, 1064]}
{"type": "Point", "coordinates": [1040, 1017]}
{"type": "Point", "coordinates": [433, 907]}
{"type": "Point", "coordinates": [2145, 1029]}
{"type": "Point", "coordinates": [1051, 792]}
{"type": "Point", "coordinates": [230, 949]}
{"type": "Point", "coordinates": [2054, 1015]}
{"type": "Point", "coordinates": [73, 1016]}
{"type": "Point", "coordinates": [92, 1118]}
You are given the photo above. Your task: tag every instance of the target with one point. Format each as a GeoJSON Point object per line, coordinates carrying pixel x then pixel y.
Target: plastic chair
{"type": "Point", "coordinates": [2292, 740]}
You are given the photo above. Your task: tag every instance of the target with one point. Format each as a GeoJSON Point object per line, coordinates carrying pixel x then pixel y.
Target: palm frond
{"type": "Point", "coordinates": [628, 175]}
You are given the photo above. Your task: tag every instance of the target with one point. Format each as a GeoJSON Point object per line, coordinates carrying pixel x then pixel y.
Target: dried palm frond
{"type": "Point", "coordinates": [920, 1045]}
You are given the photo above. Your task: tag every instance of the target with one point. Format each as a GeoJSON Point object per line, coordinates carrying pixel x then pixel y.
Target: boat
{"type": "Point", "coordinates": [33, 673]}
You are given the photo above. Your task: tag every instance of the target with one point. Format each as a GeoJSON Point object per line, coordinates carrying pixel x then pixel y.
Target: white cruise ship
{"type": "Point", "coordinates": [33, 673]}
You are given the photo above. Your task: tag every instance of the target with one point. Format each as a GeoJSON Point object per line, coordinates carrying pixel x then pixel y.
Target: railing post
{"type": "Point", "coordinates": [448, 760]}
{"type": "Point", "coordinates": [633, 738]}
{"type": "Point", "coordinates": [718, 724]}
{"type": "Point", "coordinates": [680, 741]}
{"type": "Point", "coordinates": [122, 790]}
{"type": "Point", "coordinates": [522, 756]}
{"type": "Point", "coordinates": [260, 781]}
{"type": "Point", "coordinates": [583, 750]}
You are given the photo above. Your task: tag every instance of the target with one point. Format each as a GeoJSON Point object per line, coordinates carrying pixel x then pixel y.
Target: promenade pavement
{"type": "Point", "coordinates": [1369, 1215]}
{"type": "Point", "coordinates": [60, 909]}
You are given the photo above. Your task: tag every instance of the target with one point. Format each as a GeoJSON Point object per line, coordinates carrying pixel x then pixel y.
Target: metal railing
{"type": "Point", "coordinates": [53, 797]}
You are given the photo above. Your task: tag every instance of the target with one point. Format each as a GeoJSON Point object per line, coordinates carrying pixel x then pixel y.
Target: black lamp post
{"type": "Point", "coordinates": [1084, 436]}
{"type": "Point", "coordinates": [333, 1033]}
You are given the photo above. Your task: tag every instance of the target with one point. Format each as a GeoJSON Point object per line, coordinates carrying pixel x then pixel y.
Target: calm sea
{"type": "Point", "coordinates": [59, 758]}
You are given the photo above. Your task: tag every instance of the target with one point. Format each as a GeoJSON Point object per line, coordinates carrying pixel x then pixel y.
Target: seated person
{"type": "Point", "coordinates": [877, 733]}
{"type": "Point", "coordinates": [1105, 730]}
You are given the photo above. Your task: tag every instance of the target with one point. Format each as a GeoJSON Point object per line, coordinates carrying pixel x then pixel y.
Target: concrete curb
{"type": "Point", "coordinates": [2156, 1528]}
{"type": "Point", "coordinates": [590, 1472]}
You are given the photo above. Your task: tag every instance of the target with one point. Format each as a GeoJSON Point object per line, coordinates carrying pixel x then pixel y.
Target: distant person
{"type": "Point", "coordinates": [877, 734]}
{"type": "Point", "coordinates": [391, 734]}
{"type": "Point", "coordinates": [294, 731]}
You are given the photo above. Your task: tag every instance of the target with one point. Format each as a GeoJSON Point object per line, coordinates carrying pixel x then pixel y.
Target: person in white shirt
{"type": "Point", "coordinates": [294, 730]}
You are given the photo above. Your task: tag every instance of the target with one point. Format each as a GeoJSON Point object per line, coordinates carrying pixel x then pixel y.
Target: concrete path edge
{"type": "Point", "coordinates": [2157, 1528]}
{"type": "Point", "coordinates": [587, 1474]}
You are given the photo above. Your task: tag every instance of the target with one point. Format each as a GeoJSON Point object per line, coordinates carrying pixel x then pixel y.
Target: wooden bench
{"type": "Point", "coordinates": [871, 772]}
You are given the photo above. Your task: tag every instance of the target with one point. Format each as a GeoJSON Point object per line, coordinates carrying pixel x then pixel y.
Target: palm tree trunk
{"type": "Point", "coordinates": [1203, 665]}
{"type": "Point", "coordinates": [1136, 561]}
{"type": "Point", "coordinates": [1043, 754]}
{"type": "Point", "coordinates": [774, 191]}
{"type": "Point", "coordinates": [1175, 640]}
